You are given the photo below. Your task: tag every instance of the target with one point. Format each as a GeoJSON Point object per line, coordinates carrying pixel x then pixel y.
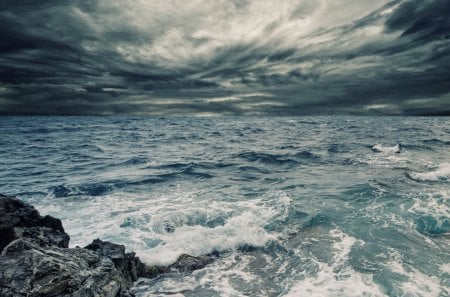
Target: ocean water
{"type": "Point", "coordinates": [301, 206]}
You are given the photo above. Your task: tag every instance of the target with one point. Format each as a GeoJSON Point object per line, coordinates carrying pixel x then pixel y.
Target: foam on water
{"type": "Point", "coordinates": [381, 155]}
{"type": "Point", "coordinates": [414, 282]}
{"type": "Point", "coordinates": [380, 148]}
{"type": "Point", "coordinates": [244, 229]}
{"type": "Point", "coordinates": [441, 173]}
{"type": "Point", "coordinates": [162, 228]}
{"type": "Point", "coordinates": [295, 207]}
{"type": "Point", "coordinates": [337, 278]}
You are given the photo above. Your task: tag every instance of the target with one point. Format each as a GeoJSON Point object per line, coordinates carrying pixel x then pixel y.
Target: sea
{"type": "Point", "coordinates": [286, 206]}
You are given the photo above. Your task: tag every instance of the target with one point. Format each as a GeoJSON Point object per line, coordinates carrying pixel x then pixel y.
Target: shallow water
{"type": "Point", "coordinates": [302, 206]}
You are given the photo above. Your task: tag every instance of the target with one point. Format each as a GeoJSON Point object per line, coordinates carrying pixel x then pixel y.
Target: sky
{"type": "Point", "coordinates": [225, 57]}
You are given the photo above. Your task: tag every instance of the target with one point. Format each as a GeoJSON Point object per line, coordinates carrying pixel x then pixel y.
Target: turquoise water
{"type": "Point", "coordinates": [301, 206]}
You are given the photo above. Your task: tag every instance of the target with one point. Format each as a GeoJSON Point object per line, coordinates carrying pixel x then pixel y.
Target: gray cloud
{"type": "Point", "coordinates": [229, 57]}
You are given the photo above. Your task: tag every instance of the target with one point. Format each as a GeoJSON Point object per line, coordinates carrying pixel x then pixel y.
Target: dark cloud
{"type": "Point", "coordinates": [424, 19]}
{"type": "Point", "coordinates": [236, 57]}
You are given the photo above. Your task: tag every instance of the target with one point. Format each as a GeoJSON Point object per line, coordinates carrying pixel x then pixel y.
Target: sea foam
{"type": "Point", "coordinates": [441, 173]}
{"type": "Point", "coordinates": [338, 278]}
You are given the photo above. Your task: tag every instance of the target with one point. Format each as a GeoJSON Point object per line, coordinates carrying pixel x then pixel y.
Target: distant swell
{"type": "Point", "coordinates": [435, 141]}
{"type": "Point", "coordinates": [106, 187]}
{"type": "Point", "coordinates": [278, 159]}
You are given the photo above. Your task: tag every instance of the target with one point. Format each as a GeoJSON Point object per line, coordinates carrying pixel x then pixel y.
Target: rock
{"type": "Point", "coordinates": [127, 264]}
{"type": "Point", "coordinates": [35, 260]}
{"type": "Point", "coordinates": [187, 263]}
{"type": "Point", "coordinates": [30, 270]}
{"type": "Point", "coordinates": [43, 236]}
{"type": "Point", "coordinates": [16, 216]}
{"type": "Point", "coordinates": [184, 264]}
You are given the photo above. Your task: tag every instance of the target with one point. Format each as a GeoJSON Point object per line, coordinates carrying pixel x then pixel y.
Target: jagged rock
{"type": "Point", "coordinates": [187, 263]}
{"type": "Point", "coordinates": [16, 215]}
{"type": "Point", "coordinates": [43, 236]}
{"type": "Point", "coordinates": [29, 270]}
{"type": "Point", "coordinates": [126, 263]}
{"type": "Point", "coordinates": [184, 264]}
{"type": "Point", "coordinates": [35, 260]}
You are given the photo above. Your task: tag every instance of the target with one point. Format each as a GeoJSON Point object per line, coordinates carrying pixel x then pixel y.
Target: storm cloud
{"type": "Point", "coordinates": [159, 57]}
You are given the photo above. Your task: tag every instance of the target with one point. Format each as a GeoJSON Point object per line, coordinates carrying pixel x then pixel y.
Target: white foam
{"type": "Point", "coordinates": [245, 229]}
{"type": "Point", "coordinates": [386, 149]}
{"type": "Point", "coordinates": [430, 205]}
{"type": "Point", "coordinates": [244, 225]}
{"type": "Point", "coordinates": [445, 268]}
{"type": "Point", "coordinates": [441, 173]}
{"type": "Point", "coordinates": [417, 283]}
{"type": "Point", "coordinates": [337, 278]}
{"type": "Point", "coordinates": [220, 274]}
{"type": "Point", "coordinates": [386, 156]}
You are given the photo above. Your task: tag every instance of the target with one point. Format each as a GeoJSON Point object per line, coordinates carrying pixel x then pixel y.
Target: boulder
{"type": "Point", "coordinates": [30, 270]}
{"type": "Point", "coordinates": [35, 260]}
{"type": "Point", "coordinates": [16, 219]}
{"type": "Point", "coordinates": [127, 264]}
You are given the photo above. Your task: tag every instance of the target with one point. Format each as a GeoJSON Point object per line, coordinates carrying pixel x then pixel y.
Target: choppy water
{"type": "Point", "coordinates": [290, 206]}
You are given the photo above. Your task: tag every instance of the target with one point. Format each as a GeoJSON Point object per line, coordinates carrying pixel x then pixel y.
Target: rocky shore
{"type": "Point", "coordinates": [36, 260]}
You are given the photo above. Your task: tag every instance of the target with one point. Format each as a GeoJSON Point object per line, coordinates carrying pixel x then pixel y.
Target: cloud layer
{"type": "Point", "coordinates": [200, 57]}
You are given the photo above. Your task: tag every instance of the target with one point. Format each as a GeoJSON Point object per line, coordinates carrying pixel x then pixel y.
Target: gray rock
{"type": "Point", "coordinates": [184, 264]}
{"type": "Point", "coordinates": [29, 270]}
{"type": "Point", "coordinates": [16, 216]}
{"type": "Point", "coordinates": [35, 260]}
{"type": "Point", "coordinates": [128, 265]}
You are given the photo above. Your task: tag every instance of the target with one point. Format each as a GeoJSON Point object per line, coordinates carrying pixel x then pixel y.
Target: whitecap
{"type": "Point", "coordinates": [416, 283]}
{"type": "Point", "coordinates": [380, 148]}
{"type": "Point", "coordinates": [337, 278]}
{"type": "Point", "coordinates": [442, 173]}
{"type": "Point", "coordinates": [245, 229]}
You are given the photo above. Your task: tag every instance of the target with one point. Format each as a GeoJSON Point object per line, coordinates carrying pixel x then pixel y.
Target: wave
{"type": "Point", "coordinates": [93, 189]}
{"type": "Point", "coordinates": [338, 148]}
{"type": "Point", "coordinates": [380, 148]}
{"type": "Point", "coordinates": [278, 159]}
{"type": "Point", "coordinates": [106, 187]}
{"type": "Point", "coordinates": [442, 173]}
{"type": "Point", "coordinates": [429, 225]}
{"type": "Point", "coordinates": [242, 231]}
{"type": "Point", "coordinates": [136, 160]}
{"type": "Point", "coordinates": [318, 220]}
{"type": "Point", "coordinates": [337, 278]}
{"type": "Point", "coordinates": [435, 141]}
{"type": "Point", "coordinates": [194, 165]}
{"type": "Point", "coordinates": [266, 158]}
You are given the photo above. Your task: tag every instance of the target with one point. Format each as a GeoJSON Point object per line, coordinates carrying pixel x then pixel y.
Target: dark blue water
{"type": "Point", "coordinates": [303, 206]}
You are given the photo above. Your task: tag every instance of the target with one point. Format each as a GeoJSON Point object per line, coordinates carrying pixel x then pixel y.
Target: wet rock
{"type": "Point", "coordinates": [187, 263]}
{"type": "Point", "coordinates": [128, 265]}
{"type": "Point", "coordinates": [17, 216]}
{"type": "Point", "coordinates": [43, 236]}
{"type": "Point", "coordinates": [184, 264]}
{"type": "Point", "coordinates": [27, 269]}
{"type": "Point", "coordinates": [35, 260]}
